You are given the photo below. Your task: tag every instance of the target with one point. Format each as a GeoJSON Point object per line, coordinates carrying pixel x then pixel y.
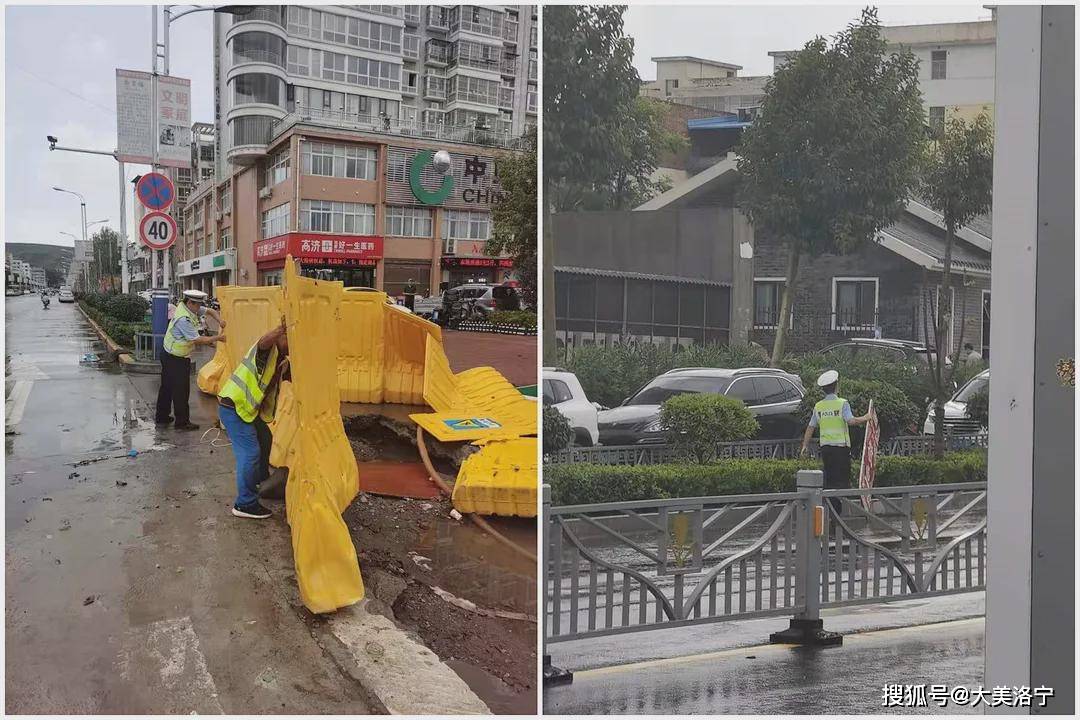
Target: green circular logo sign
{"type": "Point", "coordinates": [429, 197]}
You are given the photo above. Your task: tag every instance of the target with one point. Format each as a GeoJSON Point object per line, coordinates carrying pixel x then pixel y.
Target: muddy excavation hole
{"type": "Point", "coordinates": [469, 597]}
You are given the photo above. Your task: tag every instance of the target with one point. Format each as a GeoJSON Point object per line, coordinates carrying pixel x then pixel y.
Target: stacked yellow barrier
{"type": "Point", "coordinates": [248, 312]}
{"type": "Point", "coordinates": [362, 349]}
{"type": "Point", "coordinates": [323, 477]}
{"type": "Point", "coordinates": [406, 341]}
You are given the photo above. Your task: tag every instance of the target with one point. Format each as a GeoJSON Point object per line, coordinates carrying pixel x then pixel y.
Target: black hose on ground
{"type": "Point", "coordinates": [479, 521]}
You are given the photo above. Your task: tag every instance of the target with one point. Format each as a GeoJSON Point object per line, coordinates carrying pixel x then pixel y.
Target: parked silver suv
{"type": "Point", "coordinates": [772, 395]}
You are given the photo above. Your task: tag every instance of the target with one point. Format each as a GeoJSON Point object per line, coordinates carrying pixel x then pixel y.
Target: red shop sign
{"type": "Point", "coordinates": [323, 248]}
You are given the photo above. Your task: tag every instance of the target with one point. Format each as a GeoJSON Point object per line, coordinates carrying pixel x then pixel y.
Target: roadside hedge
{"type": "Point", "coordinates": [895, 411]}
{"type": "Point", "coordinates": [583, 483]}
{"type": "Point", "coordinates": [520, 318]}
{"type": "Point", "coordinates": [122, 332]}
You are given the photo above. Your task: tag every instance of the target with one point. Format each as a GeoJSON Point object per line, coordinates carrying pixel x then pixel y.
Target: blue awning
{"type": "Point", "coordinates": [717, 123]}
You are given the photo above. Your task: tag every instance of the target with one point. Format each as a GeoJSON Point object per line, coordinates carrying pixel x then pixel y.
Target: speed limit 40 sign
{"type": "Point", "coordinates": [157, 231]}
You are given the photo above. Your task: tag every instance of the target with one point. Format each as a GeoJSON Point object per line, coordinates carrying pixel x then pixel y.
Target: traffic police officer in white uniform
{"type": "Point", "coordinates": [833, 416]}
{"type": "Point", "coordinates": [181, 337]}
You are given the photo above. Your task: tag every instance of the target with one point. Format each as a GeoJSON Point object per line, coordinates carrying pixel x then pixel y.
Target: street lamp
{"type": "Point", "coordinates": [82, 203]}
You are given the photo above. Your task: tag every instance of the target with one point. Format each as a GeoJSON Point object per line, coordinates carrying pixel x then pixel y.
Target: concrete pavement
{"type": "Point", "coordinates": [726, 668]}
{"type": "Point", "coordinates": [129, 586]}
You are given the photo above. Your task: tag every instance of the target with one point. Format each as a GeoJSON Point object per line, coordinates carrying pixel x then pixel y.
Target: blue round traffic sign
{"type": "Point", "coordinates": [155, 191]}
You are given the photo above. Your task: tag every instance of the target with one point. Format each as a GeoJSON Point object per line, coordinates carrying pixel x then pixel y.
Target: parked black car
{"type": "Point", "coordinates": [772, 395]}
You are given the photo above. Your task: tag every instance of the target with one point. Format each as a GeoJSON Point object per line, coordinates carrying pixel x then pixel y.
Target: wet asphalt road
{"type": "Point", "coordinates": [129, 586]}
{"type": "Point", "coordinates": [782, 679]}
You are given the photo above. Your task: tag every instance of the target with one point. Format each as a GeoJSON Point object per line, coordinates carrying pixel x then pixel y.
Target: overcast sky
{"type": "Point", "coordinates": [744, 35]}
{"type": "Point", "coordinates": [60, 75]}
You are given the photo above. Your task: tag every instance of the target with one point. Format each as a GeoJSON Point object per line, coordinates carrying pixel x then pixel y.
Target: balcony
{"type": "Point", "coordinates": [506, 98]}
{"type": "Point", "coordinates": [273, 14]}
{"type": "Point", "coordinates": [434, 88]}
{"type": "Point", "coordinates": [268, 57]}
{"type": "Point", "coordinates": [410, 48]}
{"type": "Point", "coordinates": [412, 14]}
{"type": "Point", "coordinates": [437, 18]}
{"type": "Point", "coordinates": [532, 69]}
{"type": "Point", "coordinates": [510, 31]}
{"type": "Point", "coordinates": [437, 53]}
{"type": "Point", "coordinates": [409, 90]}
{"type": "Point", "coordinates": [477, 63]}
{"type": "Point", "coordinates": [431, 127]}
{"type": "Point", "coordinates": [508, 66]}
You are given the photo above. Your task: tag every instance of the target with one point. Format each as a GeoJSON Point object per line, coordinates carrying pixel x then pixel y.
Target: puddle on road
{"type": "Point", "coordinates": [471, 564]}
{"type": "Point", "coordinates": [499, 697]}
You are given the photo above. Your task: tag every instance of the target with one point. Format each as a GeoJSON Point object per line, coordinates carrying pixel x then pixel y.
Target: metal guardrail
{"type": "Point", "coordinates": [144, 346]}
{"type": "Point", "coordinates": [659, 453]}
{"type": "Point", "coordinates": [624, 567]}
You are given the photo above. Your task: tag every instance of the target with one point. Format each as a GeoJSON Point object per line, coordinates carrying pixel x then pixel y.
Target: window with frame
{"type": "Point", "coordinates": [408, 222]}
{"type": "Point", "coordinates": [938, 59]}
{"type": "Point", "coordinates": [854, 303]}
{"type": "Point", "coordinates": [337, 217]}
{"type": "Point", "coordinates": [466, 225]}
{"type": "Point", "coordinates": [768, 293]}
{"type": "Point", "coordinates": [396, 165]}
{"type": "Point", "coordinates": [275, 221]}
{"type": "Point", "coordinates": [343, 161]}
{"type": "Point", "coordinates": [225, 198]}
{"type": "Point", "coordinates": [555, 392]}
{"type": "Point", "coordinates": [298, 60]}
{"type": "Point", "coordinates": [226, 239]}
{"type": "Point", "coordinates": [278, 171]}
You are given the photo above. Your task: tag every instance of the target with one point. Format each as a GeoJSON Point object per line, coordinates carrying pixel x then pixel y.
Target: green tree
{"type": "Point", "coordinates": [514, 217]}
{"type": "Point", "coordinates": [601, 142]}
{"type": "Point", "coordinates": [834, 154]}
{"type": "Point", "coordinates": [958, 179]}
{"type": "Point", "coordinates": [105, 262]}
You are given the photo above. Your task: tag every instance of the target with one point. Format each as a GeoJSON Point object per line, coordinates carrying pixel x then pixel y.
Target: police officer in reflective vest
{"type": "Point", "coordinates": [833, 416]}
{"type": "Point", "coordinates": [181, 337]}
{"type": "Point", "coordinates": [247, 402]}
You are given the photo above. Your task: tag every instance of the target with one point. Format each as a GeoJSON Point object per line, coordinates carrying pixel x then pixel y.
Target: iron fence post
{"type": "Point", "coordinates": [552, 675]}
{"type": "Point", "coordinates": [806, 628]}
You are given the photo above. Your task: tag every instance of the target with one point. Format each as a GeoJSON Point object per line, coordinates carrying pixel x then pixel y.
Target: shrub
{"type": "Point", "coordinates": [583, 483]}
{"type": "Point", "coordinates": [896, 413]}
{"type": "Point", "coordinates": [911, 378]}
{"type": "Point", "coordinates": [978, 408]}
{"type": "Point", "coordinates": [126, 308]}
{"type": "Point", "coordinates": [695, 422]}
{"type": "Point", "coordinates": [610, 374]}
{"type": "Point", "coordinates": [557, 431]}
{"type": "Point", "coordinates": [521, 318]}
{"type": "Point", "coordinates": [121, 332]}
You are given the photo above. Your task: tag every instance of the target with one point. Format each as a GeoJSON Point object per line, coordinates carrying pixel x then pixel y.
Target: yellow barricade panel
{"type": "Point", "coordinates": [323, 477]}
{"type": "Point", "coordinates": [406, 347]}
{"type": "Point", "coordinates": [361, 347]}
{"type": "Point", "coordinates": [248, 312]}
{"type": "Point", "coordinates": [486, 388]}
{"type": "Point", "coordinates": [450, 427]}
{"type": "Point", "coordinates": [441, 390]}
{"type": "Point", "coordinates": [283, 428]}
{"type": "Point", "coordinates": [500, 479]}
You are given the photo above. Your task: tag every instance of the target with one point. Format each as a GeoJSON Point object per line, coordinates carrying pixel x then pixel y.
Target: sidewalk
{"type": "Point", "coordinates": [728, 667]}
{"type": "Point", "coordinates": [512, 355]}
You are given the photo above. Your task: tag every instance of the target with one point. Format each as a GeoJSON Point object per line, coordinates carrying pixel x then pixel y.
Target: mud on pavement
{"type": "Point", "coordinates": [469, 598]}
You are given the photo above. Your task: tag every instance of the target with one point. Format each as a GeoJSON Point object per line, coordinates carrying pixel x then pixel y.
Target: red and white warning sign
{"type": "Point", "coordinates": [157, 231]}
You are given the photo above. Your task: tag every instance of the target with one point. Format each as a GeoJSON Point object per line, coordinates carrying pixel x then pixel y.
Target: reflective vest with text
{"type": "Point", "coordinates": [174, 342]}
{"type": "Point", "coordinates": [832, 427]}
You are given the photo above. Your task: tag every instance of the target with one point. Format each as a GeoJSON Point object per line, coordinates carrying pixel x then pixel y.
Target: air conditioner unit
{"type": "Point", "coordinates": [218, 215]}
{"type": "Point", "coordinates": [264, 193]}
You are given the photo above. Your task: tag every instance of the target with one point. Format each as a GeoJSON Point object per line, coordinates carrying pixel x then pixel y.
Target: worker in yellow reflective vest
{"type": "Point", "coordinates": [181, 337]}
{"type": "Point", "coordinates": [246, 404]}
{"type": "Point", "coordinates": [833, 416]}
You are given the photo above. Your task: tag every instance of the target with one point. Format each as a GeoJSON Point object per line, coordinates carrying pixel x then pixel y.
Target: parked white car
{"type": "Point", "coordinates": [563, 392]}
{"type": "Point", "coordinates": [956, 419]}
{"type": "Point", "coordinates": [66, 296]}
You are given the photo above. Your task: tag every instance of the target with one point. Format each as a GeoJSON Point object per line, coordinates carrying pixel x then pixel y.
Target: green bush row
{"type": "Point", "coordinates": [583, 483]}
{"type": "Point", "coordinates": [520, 318]}
{"type": "Point", "coordinates": [122, 332]}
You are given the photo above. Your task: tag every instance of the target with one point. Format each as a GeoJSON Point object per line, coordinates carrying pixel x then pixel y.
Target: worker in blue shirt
{"type": "Point", "coordinates": [833, 416]}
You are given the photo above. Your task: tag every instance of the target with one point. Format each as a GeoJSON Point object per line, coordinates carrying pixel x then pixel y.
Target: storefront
{"type": "Point", "coordinates": [463, 270]}
{"type": "Point", "coordinates": [208, 271]}
{"type": "Point", "coordinates": [352, 259]}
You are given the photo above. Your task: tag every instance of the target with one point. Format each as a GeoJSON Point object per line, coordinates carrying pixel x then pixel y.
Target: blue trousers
{"type": "Point", "coordinates": [251, 447]}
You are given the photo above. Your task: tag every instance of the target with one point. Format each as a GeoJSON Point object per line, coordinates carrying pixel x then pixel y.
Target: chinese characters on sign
{"type": "Point", "coordinates": [270, 249]}
{"type": "Point", "coordinates": [323, 249]}
{"type": "Point", "coordinates": [472, 181]}
{"type": "Point", "coordinates": [134, 119]}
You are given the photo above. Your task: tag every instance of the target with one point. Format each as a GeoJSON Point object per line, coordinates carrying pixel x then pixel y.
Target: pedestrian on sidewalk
{"type": "Point", "coordinates": [181, 337]}
{"type": "Point", "coordinates": [833, 416]}
{"type": "Point", "coordinates": [246, 404]}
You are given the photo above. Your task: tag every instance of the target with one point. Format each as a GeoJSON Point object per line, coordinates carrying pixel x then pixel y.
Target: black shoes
{"type": "Point", "coordinates": [166, 421]}
{"type": "Point", "coordinates": [187, 426]}
{"type": "Point", "coordinates": [254, 511]}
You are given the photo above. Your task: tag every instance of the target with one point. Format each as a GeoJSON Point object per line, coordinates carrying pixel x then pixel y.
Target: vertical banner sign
{"type": "Point", "coordinates": [869, 455]}
{"type": "Point", "coordinates": [134, 119]}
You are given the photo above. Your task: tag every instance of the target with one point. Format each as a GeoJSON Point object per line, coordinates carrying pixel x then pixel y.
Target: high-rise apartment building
{"type": "Point", "coordinates": [362, 140]}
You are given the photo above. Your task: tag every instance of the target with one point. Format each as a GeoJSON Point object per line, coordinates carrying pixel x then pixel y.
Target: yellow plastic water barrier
{"type": "Point", "coordinates": [406, 347]}
{"type": "Point", "coordinates": [323, 477]}
{"type": "Point", "coordinates": [361, 346]}
{"type": "Point", "coordinates": [500, 479]}
{"type": "Point", "coordinates": [481, 391]}
{"type": "Point", "coordinates": [248, 312]}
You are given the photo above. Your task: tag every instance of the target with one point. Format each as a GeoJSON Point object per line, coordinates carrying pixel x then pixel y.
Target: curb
{"type": "Point", "coordinates": [131, 365]}
{"type": "Point", "coordinates": [115, 349]}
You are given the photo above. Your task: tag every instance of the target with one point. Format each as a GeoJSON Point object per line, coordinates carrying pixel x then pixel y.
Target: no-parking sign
{"type": "Point", "coordinates": [155, 191]}
{"type": "Point", "coordinates": [157, 231]}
